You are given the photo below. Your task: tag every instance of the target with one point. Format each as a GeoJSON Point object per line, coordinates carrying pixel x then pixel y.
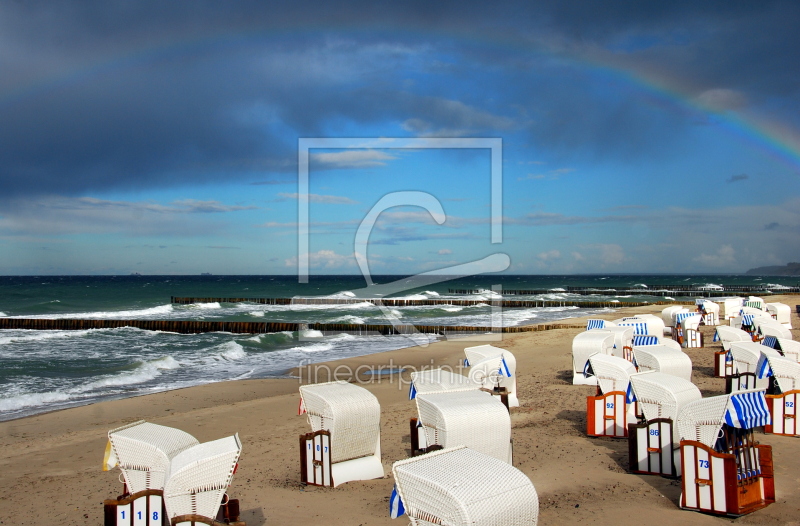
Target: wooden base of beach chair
{"type": "Point", "coordinates": [198, 520]}
{"type": "Point", "coordinates": [143, 508]}
{"type": "Point", "coordinates": [607, 415]}
{"type": "Point", "coordinates": [722, 367]}
{"type": "Point", "coordinates": [783, 410]}
{"type": "Point", "coordinates": [650, 449]}
{"type": "Point", "coordinates": [693, 339]}
{"type": "Point", "coordinates": [711, 482]}
{"type": "Point", "coordinates": [740, 382]}
{"type": "Point", "coordinates": [315, 459]}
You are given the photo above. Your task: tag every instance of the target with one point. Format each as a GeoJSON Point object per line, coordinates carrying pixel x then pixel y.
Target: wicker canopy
{"type": "Point", "coordinates": [662, 395]}
{"type": "Point", "coordinates": [664, 359]}
{"type": "Point", "coordinates": [702, 419]}
{"type": "Point", "coordinates": [612, 373]}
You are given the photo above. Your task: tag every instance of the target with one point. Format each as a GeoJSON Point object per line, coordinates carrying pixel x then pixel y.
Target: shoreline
{"type": "Point", "coordinates": [55, 457]}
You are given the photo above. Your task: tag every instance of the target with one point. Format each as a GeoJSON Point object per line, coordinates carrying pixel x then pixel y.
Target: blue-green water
{"type": "Point", "coordinates": [46, 370]}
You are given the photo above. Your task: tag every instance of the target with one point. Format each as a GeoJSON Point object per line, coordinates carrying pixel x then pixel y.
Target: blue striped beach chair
{"type": "Point", "coordinates": [638, 327]}
{"type": "Point", "coordinates": [641, 340]}
{"type": "Point", "coordinates": [595, 324]}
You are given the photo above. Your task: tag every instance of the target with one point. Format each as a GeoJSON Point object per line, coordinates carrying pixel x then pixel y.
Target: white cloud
{"type": "Point", "coordinates": [318, 198]}
{"type": "Point", "coordinates": [325, 259]}
{"type": "Point", "coordinates": [549, 255]}
{"type": "Point", "coordinates": [445, 251]}
{"type": "Point", "coordinates": [353, 158]}
{"type": "Point", "coordinates": [723, 257]}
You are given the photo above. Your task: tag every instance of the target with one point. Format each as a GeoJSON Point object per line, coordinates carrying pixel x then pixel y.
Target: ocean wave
{"type": "Point", "coordinates": [257, 313]}
{"type": "Point", "coordinates": [34, 336]}
{"type": "Point", "coordinates": [231, 351]}
{"type": "Point", "coordinates": [431, 293]}
{"type": "Point", "coordinates": [143, 373]}
{"type": "Point", "coordinates": [349, 318]}
{"type": "Point", "coordinates": [205, 305]}
{"type": "Point", "coordinates": [122, 314]}
{"type": "Point", "coordinates": [3, 314]}
{"type": "Point", "coordinates": [17, 402]}
{"type": "Point", "coordinates": [311, 333]}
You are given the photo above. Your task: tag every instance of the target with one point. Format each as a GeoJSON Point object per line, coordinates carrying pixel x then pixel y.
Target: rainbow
{"type": "Point", "coordinates": [769, 135]}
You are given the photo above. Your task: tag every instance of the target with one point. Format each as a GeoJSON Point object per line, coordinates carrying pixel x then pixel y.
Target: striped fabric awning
{"type": "Point", "coordinates": [638, 328]}
{"type": "Point", "coordinates": [683, 315]}
{"type": "Point", "coordinates": [641, 340]}
{"type": "Point", "coordinates": [716, 336]}
{"type": "Point", "coordinates": [747, 320]}
{"type": "Point", "coordinates": [747, 410]}
{"type": "Point", "coordinates": [753, 304]}
{"type": "Point", "coordinates": [770, 341]}
{"type": "Point", "coordinates": [630, 396]}
{"type": "Point", "coordinates": [396, 508]}
{"type": "Point", "coordinates": [595, 324]}
{"type": "Point", "coordinates": [504, 370]}
{"type": "Point", "coordinates": [763, 370]}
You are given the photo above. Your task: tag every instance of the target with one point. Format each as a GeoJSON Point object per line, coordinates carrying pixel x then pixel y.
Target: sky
{"type": "Point", "coordinates": [164, 138]}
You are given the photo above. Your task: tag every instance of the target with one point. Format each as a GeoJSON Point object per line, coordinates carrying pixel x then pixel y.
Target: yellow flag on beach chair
{"type": "Point", "coordinates": [110, 458]}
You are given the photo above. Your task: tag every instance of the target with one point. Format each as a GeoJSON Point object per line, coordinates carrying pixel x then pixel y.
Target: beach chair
{"type": "Point", "coordinates": [462, 487]}
{"type": "Point", "coordinates": [653, 443]}
{"type": "Point", "coordinates": [495, 369]}
{"type": "Point", "coordinates": [788, 348]}
{"type": "Point", "coordinates": [745, 357]}
{"type": "Point", "coordinates": [732, 307]}
{"type": "Point", "coordinates": [769, 327]}
{"type": "Point", "coordinates": [645, 340]}
{"type": "Point", "coordinates": [197, 482]}
{"type": "Point", "coordinates": [723, 364]}
{"type": "Point", "coordinates": [781, 312]}
{"type": "Point", "coordinates": [653, 325]}
{"type": "Point", "coordinates": [475, 419]}
{"type": "Point", "coordinates": [725, 470]}
{"type": "Point", "coordinates": [782, 393]}
{"type": "Point", "coordinates": [668, 317]}
{"type": "Point", "coordinates": [584, 345]}
{"type": "Point", "coordinates": [663, 359]}
{"type": "Point", "coordinates": [433, 381]}
{"type": "Point", "coordinates": [623, 341]}
{"type": "Point", "coordinates": [345, 442]}
{"type": "Point", "coordinates": [709, 310]}
{"type": "Point", "coordinates": [754, 302]}
{"type": "Point", "coordinates": [686, 331]}
{"type": "Point", "coordinates": [608, 412]}
{"type": "Point", "coordinates": [598, 324]}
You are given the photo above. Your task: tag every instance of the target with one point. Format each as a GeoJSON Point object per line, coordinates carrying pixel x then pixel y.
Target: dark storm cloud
{"type": "Point", "coordinates": [98, 95]}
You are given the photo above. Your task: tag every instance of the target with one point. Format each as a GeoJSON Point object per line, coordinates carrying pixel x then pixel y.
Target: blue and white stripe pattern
{"type": "Point", "coordinates": [412, 391]}
{"type": "Point", "coordinates": [748, 474]}
{"type": "Point", "coordinates": [504, 370]}
{"type": "Point", "coordinates": [683, 315]}
{"type": "Point", "coordinates": [770, 341]}
{"type": "Point", "coordinates": [763, 370]}
{"type": "Point", "coordinates": [638, 328]}
{"type": "Point", "coordinates": [716, 336]}
{"type": "Point", "coordinates": [640, 340]}
{"type": "Point", "coordinates": [747, 410]}
{"type": "Point", "coordinates": [630, 396]}
{"type": "Point", "coordinates": [747, 320]}
{"type": "Point", "coordinates": [595, 324]}
{"type": "Point", "coordinates": [396, 508]}
{"type": "Point", "coordinates": [587, 369]}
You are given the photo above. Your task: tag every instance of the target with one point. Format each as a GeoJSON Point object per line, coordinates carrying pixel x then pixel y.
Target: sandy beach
{"type": "Point", "coordinates": [50, 465]}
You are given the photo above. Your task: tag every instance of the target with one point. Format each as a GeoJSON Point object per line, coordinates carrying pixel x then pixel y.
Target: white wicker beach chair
{"type": "Point", "coordinates": [462, 487]}
{"type": "Point", "coordinates": [584, 345]}
{"type": "Point", "coordinates": [746, 357]}
{"type": "Point", "coordinates": [725, 470]}
{"type": "Point", "coordinates": [709, 310]}
{"type": "Point", "coordinates": [655, 325]}
{"type": "Point", "coordinates": [472, 418]}
{"type": "Point", "coordinates": [437, 380]}
{"type": "Point", "coordinates": [782, 313]}
{"type": "Point", "coordinates": [754, 302]}
{"type": "Point", "coordinates": [732, 307]}
{"type": "Point", "coordinates": [623, 341]}
{"type": "Point", "coordinates": [593, 324]}
{"type": "Point", "coordinates": [770, 327]}
{"type": "Point", "coordinates": [726, 335]}
{"type": "Point", "coordinates": [494, 367]}
{"type": "Point", "coordinates": [198, 479]}
{"type": "Point", "coordinates": [608, 413]}
{"type": "Point", "coordinates": [668, 315]}
{"type": "Point", "coordinates": [352, 416]}
{"type": "Point", "coordinates": [653, 443]}
{"type": "Point", "coordinates": [782, 394]}
{"type": "Point", "coordinates": [789, 348]}
{"type": "Point", "coordinates": [144, 452]}
{"type": "Point", "coordinates": [663, 359]}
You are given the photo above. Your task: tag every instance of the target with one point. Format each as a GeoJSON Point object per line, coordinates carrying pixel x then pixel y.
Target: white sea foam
{"type": "Point", "coordinates": [452, 308]}
{"type": "Point", "coordinates": [311, 333]}
{"type": "Point", "coordinates": [348, 319]}
{"type": "Point", "coordinates": [143, 373]}
{"type": "Point", "coordinates": [769, 285]}
{"type": "Point", "coordinates": [34, 336]}
{"type": "Point", "coordinates": [122, 314]}
{"type": "Point", "coordinates": [231, 351]}
{"type": "Point", "coordinates": [257, 314]}
{"type": "Point", "coordinates": [15, 403]}
{"type": "Point", "coordinates": [206, 305]}
{"type": "Point", "coordinates": [558, 289]}
{"type": "Point", "coordinates": [431, 293]}
{"type": "Point", "coordinates": [3, 314]}
{"type": "Point", "coordinates": [314, 347]}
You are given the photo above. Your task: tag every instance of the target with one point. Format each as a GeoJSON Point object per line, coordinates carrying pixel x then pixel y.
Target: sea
{"type": "Point", "coordinates": [43, 371]}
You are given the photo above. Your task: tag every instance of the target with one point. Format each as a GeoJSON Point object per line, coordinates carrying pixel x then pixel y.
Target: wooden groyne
{"type": "Point", "coordinates": [197, 327]}
{"type": "Point", "coordinates": [392, 302]}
